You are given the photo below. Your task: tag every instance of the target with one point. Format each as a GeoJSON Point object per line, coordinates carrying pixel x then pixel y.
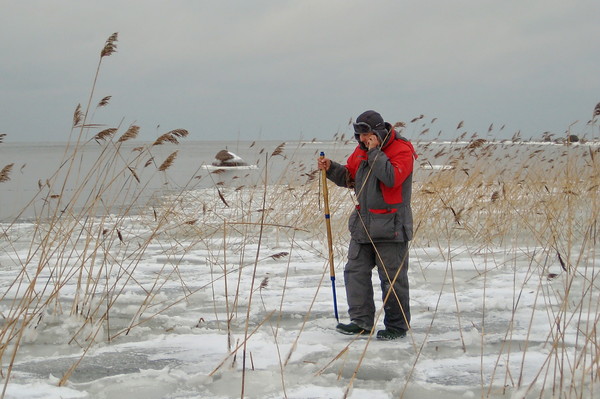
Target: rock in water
{"type": "Point", "coordinates": [225, 158]}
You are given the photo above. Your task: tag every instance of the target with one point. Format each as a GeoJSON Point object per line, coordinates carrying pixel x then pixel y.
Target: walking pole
{"type": "Point", "coordinates": [329, 241]}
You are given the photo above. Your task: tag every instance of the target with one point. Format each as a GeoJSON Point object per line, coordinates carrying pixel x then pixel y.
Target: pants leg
{"type": "Point", "coordinates": [359, 286]}
{"type": "Point", "coordinates": [392, 266]}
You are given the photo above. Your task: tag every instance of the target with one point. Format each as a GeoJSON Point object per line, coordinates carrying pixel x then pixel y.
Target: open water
{"type": "Point", "coordinates": [35, 163]}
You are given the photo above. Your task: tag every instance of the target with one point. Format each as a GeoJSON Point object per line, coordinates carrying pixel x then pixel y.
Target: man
{"type": "Point", "coordinates": [380, 171]}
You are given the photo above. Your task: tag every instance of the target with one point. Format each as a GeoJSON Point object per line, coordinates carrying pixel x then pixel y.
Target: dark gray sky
{"type": "Point", "coordinates": [278, 69]}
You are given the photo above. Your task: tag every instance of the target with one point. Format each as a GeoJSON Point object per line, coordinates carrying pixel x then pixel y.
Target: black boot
{"type": "Point", "coordinates": [390, 334]}
{"type": "Point", "coordinates": [351, 329]}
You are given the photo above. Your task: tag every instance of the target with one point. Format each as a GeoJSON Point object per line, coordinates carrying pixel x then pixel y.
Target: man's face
{"type": "Point", "coordinates": [364, 137]}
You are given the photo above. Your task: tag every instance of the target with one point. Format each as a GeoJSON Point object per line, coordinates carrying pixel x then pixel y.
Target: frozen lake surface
{"type": "Point", "coordinates": [223, 291]}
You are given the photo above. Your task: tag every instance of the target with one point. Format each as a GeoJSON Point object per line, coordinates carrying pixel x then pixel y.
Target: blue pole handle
{"type": "Point", "coordinates": [335, 309]}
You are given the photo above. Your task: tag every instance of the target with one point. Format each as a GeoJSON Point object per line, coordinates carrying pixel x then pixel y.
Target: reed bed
{"type": "Point", "coordinates": [539, 205]}
{"type": "Point", "coordinates": [517, 210]}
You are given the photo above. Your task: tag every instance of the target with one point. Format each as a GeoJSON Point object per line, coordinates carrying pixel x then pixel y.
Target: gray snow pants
{"type": "Point", "coordinates": [391, 260]}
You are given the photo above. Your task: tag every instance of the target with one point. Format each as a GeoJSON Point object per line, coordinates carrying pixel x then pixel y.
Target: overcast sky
{"type": "Point", "coordinates": [278, 69]}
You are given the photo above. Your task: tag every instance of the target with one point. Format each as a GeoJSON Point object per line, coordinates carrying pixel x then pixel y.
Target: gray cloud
{"type": "Point", "coordinates": [292, 69]}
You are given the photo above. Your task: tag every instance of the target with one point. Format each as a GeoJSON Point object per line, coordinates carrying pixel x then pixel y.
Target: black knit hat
{"type": "Point", "coordinates": [372, 119]}
{"type": "Point", "coordinates": [376, 124]}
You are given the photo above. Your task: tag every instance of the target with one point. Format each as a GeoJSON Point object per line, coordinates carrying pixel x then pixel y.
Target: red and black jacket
{"type": "Point", "coordinates": [382, 182]}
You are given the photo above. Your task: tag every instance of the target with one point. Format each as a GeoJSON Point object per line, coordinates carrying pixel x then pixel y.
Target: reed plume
{"type": "Point", "coordinates": [171, 137]}
{"type": "Point", "coordinates": [5, 173]}
{"type": "Point", "coordinates": [105, 134]}
{"type": "Point", "coordinates": [104, 101]}
{"type": "Point", "coordinates": [135, 176]}
{"type": "Point", "coordinates": [77, 116]}
{"type": "Point", "coordinates": [222, 197]}
{"type": "Point", "coordinates": [597, 110]}
{"type": "Point", "coordinates": [110, 47]}
{"type": "Point", "coordinates": [476, 143]}
{"type": "Point", "coordinates": [278, 150]}
{"type": "Point", "coordinates": [312, 175]}
{"type": "Point", "coordinates": [165, 138]}
{"type": "Point", "coordinates": [179, 132]}
{"type": "Point", "coordinates": [279, 255]}
{"type": "Point", "coordinates": [130, 134]}
{"type": "Point", "coordinates": [168, 162]}
{"type": "Point", "coordinates": [264, 283]}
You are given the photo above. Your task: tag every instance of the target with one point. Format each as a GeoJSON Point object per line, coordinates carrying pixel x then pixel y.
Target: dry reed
{"type": "Point", "coordinates": [77, 116]}
{"type": "Point", "coordinates": [471, 204]}
{"type": "Point", "coordinates": [110, 47]}
{"type": "Point", "coordinates": [171, 137]}
{"type": "Point", "coordinates": [105, 134]}
{"type": "Point", "coordinates": [168, 162]}
{"type": "Point", "coordinates": [278, 150]}
{"type": "Point", "coordinates": [130, 134]}
{"type": "Point", "coordinates": [104, 102]}
{"type": "Point", "coordinates": [5, 173]}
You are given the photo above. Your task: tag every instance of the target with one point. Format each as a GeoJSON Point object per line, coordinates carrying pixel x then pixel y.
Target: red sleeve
{"type": "Point", "coordinates": [403, 165]}
{"type": "Point", "coordinates": [401, 158]}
